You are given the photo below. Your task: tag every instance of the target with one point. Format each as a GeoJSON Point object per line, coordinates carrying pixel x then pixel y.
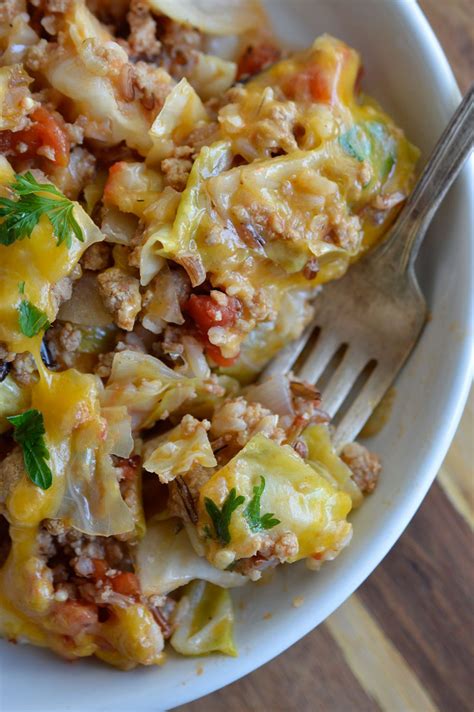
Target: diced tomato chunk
{"type": "Point", "coordinates": [74, 617]}
{"type": "Point", "coordinates": [112, 179]}
{"type": "Point", "coordinates": [215, 354]}
{"type": "Point", "coordinates": [313, 84]}
{"type": "Point", "coordinates": [45, 132]}
{"type": "Point", "coordinates": [256, 58]}
{"type": "Point", "coordinates": [126, 584]}
{"type": "Point", "coordinates": [206, 312]}
{"type": "Point", "coordinates": [100, 568]}
{"type": "Point", "coordinates": [320, 85]}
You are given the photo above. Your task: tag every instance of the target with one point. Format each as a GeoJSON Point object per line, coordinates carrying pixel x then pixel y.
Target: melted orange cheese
{"type": "Point", "coordinates": [65, 400]}
{"type": "Point", "coordinates": [40, 263]}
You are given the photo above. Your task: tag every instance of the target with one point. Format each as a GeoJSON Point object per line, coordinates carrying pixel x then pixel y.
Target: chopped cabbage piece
{"type": "Point", "coordinates": [82, 25]}
{"type": "Point", "coordinates": [15, 97]}
{"type": "Point", "coordinates": [324, 459]}
{"type": "Point", "coordinates": [132, 187]}
{"type": "Point", "coordinates": [16, 36]}
{"type": "Point", "coordinates": [205, 621]}
{"type": "Point", "coordinates": [119, 228]}
{"type": "Point", "coordinates": [182, 112]}
{"type": "Point", "coordinates": [175, 452]}
{"type": "Point", "coordinates": [86, 306]}
{"type": "Point", "coordinates": [14, 398]}
{"type": "Point", "coordinates": [158, 218]}
{"type": "Point", "coordinates": [94, 191]}
{"type": "Point", "coordinates": [119, 431]}
{"type": "Point", "coordinates": [85, 491]}
{"type": "Point", "coordinates": [312, 99]}
{"type": "Point", "coordinates": [180, 243]}
{"type": "Point", "coordinates": [78, 70]}
{"type": "Point", "coordinates": [166, 560]}
{"type": "Point", "coordinates": [134, 634]}
{"type": "Point", "coordinates": [80, 446]}
{"type": "Point", "coordinates": [147, 387]}
{"type": "Point", "coordinates": [212, 76]}
{"type": "Point", "coordinates": [269, 336]}
{"type": "Point", "coordinates": [218, 17]}
{"type": "Point", "coordinates": [293, 198]}
{"type": "Point", "coordinates": [163, 306]}
{"type": "Point", "coordinates": [294, 493]}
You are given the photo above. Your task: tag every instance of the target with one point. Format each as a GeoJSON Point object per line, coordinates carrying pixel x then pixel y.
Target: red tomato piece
{"type": "Point", "coordinates": [215, 354]}
{"type": "Point", "coordinates": [114, 175]}
{"type": "Point", "coordinates": [126, 584]}
{"type": "Point", "coordinates": [206, 312]}
{"type": "Point", "coordinates": [320, 86]}
{"type": "Point", "coordinates": [314, 84]}
{"type": "Point", "coordinates": [45, 131]}
{"type": "Point", "coordinates": [100, 569]}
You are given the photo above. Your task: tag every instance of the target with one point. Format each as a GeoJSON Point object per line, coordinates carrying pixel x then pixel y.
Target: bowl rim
{"type": "Point", "coordinates": [284, 636]}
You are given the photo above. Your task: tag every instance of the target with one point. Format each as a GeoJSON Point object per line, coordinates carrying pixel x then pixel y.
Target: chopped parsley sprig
{"type": "Point", "coordinates": [252, 511]}
{"type": "Point", "coordinates": [29, 434]}
{"type": "Point", "coordinates": [31, 319]}
{"type": "Point", "coordinates": [221, 517]}
{"type": "Point", "coordinates": [34, 199]}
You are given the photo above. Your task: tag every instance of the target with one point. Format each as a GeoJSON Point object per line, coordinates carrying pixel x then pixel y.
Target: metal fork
{"type": "Point", "coordinates": [377, 311]}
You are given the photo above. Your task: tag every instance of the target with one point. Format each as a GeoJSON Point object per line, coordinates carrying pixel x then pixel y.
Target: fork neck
{"type": "Point", "coordinates": [445, 163]}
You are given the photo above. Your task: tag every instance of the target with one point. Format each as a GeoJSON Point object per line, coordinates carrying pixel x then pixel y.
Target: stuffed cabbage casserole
{"type": "Point", "coordinates": [174, 189]}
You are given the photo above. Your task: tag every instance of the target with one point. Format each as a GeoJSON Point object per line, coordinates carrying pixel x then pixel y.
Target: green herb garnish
{"type": "Point", "coordinates": [34, 200]}
{"type": "Point", "coordinates": [221, 517]}
{"type": "Point", "coordinates": [355, 143]}
{"type": "Point", "coordinates": [31, 319]}
{"type": "Point", "coordinates": [252, 511]}
{"type": "Point", "coordinates": [28, 433]}
{"type": "Point", "coordinates": [371, 139]}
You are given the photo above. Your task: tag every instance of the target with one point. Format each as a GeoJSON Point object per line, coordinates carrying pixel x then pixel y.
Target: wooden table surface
{"type": "Point", "coordinates": [405, 641]}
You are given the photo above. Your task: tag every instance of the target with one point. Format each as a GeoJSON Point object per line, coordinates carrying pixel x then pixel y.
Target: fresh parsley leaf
{"type": "Point", "coordinates": [28, 433]}
{"type": "Point", "coordinates": [371, 140]}
{"type": "Point", "coordinates": [355, 143]}
{"type": "Point", "coordinates": [252, 511]}
{"type": "Point", "coordinates": [31, 319]}
{"type": "Point", "coordinates": [34, 200]}
{"type": "Point", "coordinates": [21, 287]}
{"type": "Point", "coordinates": [221, 517]}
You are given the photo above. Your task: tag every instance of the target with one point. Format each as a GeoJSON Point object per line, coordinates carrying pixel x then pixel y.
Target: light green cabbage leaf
{"type": "Point", "coordinates": [182, 112]}
{"type": "Point", "coordinates": [323, 458]}
{"type": "Point", "coordinates": [205, 619]}
{"type": "Point", "coordinates": [165, 560]}
{"type": "Point", "coordinates": [13, 399]}
{"type": "Point", "coordinates": [175, 452]}
{"type": "Point", "coordinates": [146, 387]}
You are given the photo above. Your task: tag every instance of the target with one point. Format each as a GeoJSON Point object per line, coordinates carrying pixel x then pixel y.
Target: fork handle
{"type": "Point", "coordinates": [444, 164]}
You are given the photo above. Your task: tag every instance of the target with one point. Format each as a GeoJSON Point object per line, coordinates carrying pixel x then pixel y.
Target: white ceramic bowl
{"type": "Point", "coordinates": [408, 73]}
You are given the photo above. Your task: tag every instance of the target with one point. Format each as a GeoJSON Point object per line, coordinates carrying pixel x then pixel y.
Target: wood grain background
{"type": "Point", "coordinates": [405, 641]}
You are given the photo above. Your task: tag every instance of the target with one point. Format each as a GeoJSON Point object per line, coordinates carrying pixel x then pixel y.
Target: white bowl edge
{"type": "Point", "coordinates": [147, 690]}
